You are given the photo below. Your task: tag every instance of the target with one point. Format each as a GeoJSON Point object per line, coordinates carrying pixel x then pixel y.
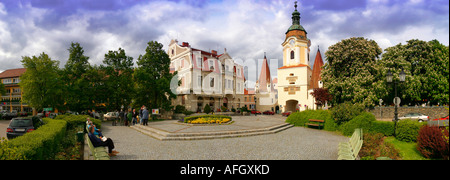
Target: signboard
{"type": "Point", "coordinates": [155, 111]}
{"type": "Point", "coordinates": [397, 101]}
{"type": "Point", "coordinates": [48, 109]}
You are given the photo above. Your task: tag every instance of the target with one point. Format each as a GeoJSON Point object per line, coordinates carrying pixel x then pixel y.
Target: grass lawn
{"type": "Point", "coordinates": [407, 150]}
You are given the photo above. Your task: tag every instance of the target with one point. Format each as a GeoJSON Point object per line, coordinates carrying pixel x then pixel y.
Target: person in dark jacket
{"type": "Point", "coordinates": [145, 115]}
{"type": "Point", "coordinates": [97, 142]}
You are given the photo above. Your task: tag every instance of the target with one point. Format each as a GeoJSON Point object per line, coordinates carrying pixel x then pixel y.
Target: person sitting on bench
{"type": "Point", "coordinates": [97, 142]}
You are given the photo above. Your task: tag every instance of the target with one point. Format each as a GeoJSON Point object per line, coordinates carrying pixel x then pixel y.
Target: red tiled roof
{"type": "Point", "coordinates": [318, 63]}
{"type": "Point", "coordinates": [264, 77]}
{"type": "Point", "coordinates": [10, 73]}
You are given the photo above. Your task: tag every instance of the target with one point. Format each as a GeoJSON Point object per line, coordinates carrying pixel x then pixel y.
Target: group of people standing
{"type": "Point", "coordinates": [131, 117]}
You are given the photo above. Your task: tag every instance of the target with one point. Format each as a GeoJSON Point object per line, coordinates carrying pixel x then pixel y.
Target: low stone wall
{"type": "Point", "coordinates": [433, 112]}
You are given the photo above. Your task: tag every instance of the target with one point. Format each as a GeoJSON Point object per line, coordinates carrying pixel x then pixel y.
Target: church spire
{"type": "Point", "coordinates": [296, 21]}
{"type": "Point", "coordinates": [295, 16]}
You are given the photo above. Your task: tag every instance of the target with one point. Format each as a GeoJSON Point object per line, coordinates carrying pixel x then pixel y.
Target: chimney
{"type": "Point", "coordinates": [214, 52]}
{"type": "Point", "coordinates": [185, 44]}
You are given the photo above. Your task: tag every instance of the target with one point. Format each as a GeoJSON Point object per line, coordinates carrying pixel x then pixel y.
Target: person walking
{"type": "Point", "coordinates": [140, 115]}
{"type": "Point", "coordinates": [129, 116]}
{"type": "Point", "coordinates": [145, 116]}
{"type": "Point", "coordinates": [134, 117]}
{"type": "Point", "coordinates": [121, 119]}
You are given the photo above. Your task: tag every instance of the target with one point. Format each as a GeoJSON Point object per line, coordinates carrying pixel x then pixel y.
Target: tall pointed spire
{"type": "Point", "coordinates": [318, 63]}
{"type": "Point", "coordinates": [265, 83]}
{"type": "Point", "coordinates": [296, 15]}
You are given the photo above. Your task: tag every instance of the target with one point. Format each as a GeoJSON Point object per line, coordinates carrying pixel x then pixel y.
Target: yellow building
{"type": "Point", "coordinates": [294, 78]}
{"type": "Point", "coordinates": [12, 99]}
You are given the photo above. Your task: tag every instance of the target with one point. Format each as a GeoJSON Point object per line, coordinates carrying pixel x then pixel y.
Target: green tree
{"type": "Point", "coordinates": [2, 88]}
{"type": "Point", "coordinates": [426, 65]}
{"type": "Point", "coordinates": [352, 72]}
{"type": "Point", "coordinates": [41, 83]}
{"type": "Point", "coordinates": [152, 78]}
{"type": "Point", "coordinates": [76, 84]}
{"type": "Point", "coordinates": [119, 70]}
{"type": "Point", "coordinates": [98, 91]}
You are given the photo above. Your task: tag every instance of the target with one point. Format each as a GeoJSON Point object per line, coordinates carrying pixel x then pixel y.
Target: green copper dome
{"type": "Point", "coordinates": [296, 21]}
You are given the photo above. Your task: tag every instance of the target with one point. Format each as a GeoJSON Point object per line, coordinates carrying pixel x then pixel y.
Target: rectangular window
{"type": "Point", "coordinates": [16, 80]}
{"type": "Point", "coordinates": [7, 81]}
{"type": "Point", "coordinates": [199, 81]}
{"type": "Point", "coordinates": [211, 84]}
{"type": "Point", "coordinates": [199, 62]}
{"type": "Point", "coordinates": [211, 65]}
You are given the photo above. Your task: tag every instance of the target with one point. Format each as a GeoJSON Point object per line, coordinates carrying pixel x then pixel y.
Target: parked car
{"type": "Point", "coordinates": [21, 125]}
{"type": "Point", "coordinates": [52, 115]}
{"type": "Point", "coordinates": [286, 113]}
{"type": "Point", "coordinates": [255, 112]}
{"type": "Point", "coordinates": [268, 112]}
{"type": "Point", "coordinates": [415, 116]}
{"type": "Point", "coordinates": [441, 119]}
{"type": "Point", "coordinates": [9, 115]}
{"type": "Point", "coordinates": [111, 116]}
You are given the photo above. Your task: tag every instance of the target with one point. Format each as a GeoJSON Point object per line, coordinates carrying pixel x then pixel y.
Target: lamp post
{"type": "Point", "coordinates": [389, 77]}
{"type": "Point", "coordinates": [254, 98]}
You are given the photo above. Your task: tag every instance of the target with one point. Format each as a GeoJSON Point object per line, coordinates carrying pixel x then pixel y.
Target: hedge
{"type": "Point", "coordinates": [300, 118]}
{"type": "Point", "coordinates": [42, 143]}
{"type": "Point", "coordinates": [384, 127]}
{"type": "Point", "coordinates": [363, 121]}
{"type": "Point", "coordinates": [74, 121]}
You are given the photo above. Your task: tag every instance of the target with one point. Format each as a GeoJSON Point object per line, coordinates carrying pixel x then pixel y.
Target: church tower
{"type": "Point", "coordinates": [294, 78]}
{"type": "Point", "coordinates": [296, 44]}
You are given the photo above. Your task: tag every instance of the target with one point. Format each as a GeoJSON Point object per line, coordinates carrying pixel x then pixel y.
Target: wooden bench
{"type": "Point", "coordinates": [349, 150]}
{"type": "Point", "coordinates": [316, 122]}
{"type": "Point", "coordinates": [97, 153]}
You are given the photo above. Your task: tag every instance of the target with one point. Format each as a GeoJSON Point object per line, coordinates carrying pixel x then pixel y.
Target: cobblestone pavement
{"type": "Point", "coordinates": [294, 143]}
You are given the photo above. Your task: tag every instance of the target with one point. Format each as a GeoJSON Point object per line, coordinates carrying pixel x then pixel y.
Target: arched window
{"type": "Point", "coordinates": [292, 55]}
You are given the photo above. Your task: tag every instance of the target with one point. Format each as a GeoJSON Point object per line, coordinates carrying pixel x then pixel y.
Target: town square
{"type": "Point", "coordinates": [224, 80]}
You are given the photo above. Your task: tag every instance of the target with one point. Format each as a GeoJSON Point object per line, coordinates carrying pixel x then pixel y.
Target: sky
{"type": "Point", "coordinates": [246, 28]}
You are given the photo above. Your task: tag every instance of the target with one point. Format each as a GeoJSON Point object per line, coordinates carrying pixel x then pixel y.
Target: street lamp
{"type": "Point", "coordinates": [254, 98]}
{"type": "Point", "coordinates": [389, 77]}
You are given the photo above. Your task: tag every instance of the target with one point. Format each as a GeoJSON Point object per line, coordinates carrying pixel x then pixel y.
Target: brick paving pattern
{"type": "Point", "coordinates": [296, 143]}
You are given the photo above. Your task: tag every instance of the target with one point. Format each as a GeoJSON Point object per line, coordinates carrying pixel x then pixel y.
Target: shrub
{"type": "Point", "coordinates": [207, 109]}
{"type": "Point", "coordinates": [179, 109]}
{"type": "Point", "coordinates": [187, 113]}
{"type": "Point", "coordinates": [431, 142]}
{"type": "Point", "coordinates": [384, 127]}
{"type": "Point", "coordinates": [42, 143]}
{"type": "Point", "coordinates": [345, 112]}
{"type": "Point", "coordinates": [8, 152]}
{"type": "Point", "coordinates": [407, 130]}
{"type": "Point", "coordinates": [74, 121]}
{"type": "Point", "coordinates": [300, 118]}
{"type": "Point", "coordinates": [363, 121]}
{"type": "Point", "coordinates": [374, 146]}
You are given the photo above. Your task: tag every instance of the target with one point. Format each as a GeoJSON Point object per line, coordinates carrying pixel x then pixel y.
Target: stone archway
{"type": "Point", "coordinates": [291, 105]}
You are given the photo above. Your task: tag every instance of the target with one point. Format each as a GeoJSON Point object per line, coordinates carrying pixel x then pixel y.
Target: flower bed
{"type": "Point", "coordinates": [207, 119]}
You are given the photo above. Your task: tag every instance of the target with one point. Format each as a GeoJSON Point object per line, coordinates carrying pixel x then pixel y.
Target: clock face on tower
{"type": "Point", "coordinates": [291, 42]}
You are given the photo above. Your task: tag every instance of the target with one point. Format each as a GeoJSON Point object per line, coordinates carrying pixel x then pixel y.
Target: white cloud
{"type": "Point", "coordinates": [246, 28]}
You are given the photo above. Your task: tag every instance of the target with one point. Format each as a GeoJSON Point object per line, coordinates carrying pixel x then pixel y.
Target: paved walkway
{"type": "Point", "coordinates": [293, 143]}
